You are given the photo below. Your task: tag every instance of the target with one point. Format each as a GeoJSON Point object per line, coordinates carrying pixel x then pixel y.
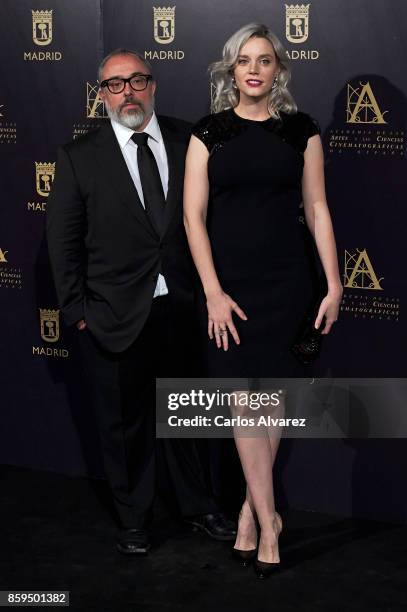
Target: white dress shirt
{"type": "Point", "coordinates": [129, 151]}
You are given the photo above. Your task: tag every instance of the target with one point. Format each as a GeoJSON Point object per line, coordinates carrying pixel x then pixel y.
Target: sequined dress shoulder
{"type": "Point", "coordinates": [217, 129]}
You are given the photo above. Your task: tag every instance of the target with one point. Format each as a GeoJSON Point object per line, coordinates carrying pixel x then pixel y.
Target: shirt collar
{"type": "Point", "coordinates": [124, 134]}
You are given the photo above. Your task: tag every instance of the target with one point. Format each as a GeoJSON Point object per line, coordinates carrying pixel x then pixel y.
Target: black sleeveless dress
{"type": "Point", "coordinates": [261, 247]}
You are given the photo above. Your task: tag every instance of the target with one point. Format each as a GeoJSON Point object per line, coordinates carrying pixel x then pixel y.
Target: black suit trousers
{"type": "Point", "coordinates": [123, 391]}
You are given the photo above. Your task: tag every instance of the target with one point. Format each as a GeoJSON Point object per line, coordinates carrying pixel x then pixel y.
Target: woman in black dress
{"type": "Point", "coordinates": [249, 167]}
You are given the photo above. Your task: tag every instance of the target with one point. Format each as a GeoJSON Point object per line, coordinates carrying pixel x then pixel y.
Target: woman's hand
{"type": "Point", "coordinates": [330, 309]}
{"type": "Point", "coordinates": [220, 307]}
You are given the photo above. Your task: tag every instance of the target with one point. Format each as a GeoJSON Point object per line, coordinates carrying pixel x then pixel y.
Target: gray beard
{"type": "Point", "coordinates": [133, 119]}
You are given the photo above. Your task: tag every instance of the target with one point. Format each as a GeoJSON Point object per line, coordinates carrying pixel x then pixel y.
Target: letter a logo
{"type": "Point", "coordinates": [359, 273]}
{"type": "Point", "coordinates": [363, 106]}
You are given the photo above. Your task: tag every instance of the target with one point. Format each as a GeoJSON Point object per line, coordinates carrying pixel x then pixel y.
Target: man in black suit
{"type": "Point", "coordinates": [123, 276]}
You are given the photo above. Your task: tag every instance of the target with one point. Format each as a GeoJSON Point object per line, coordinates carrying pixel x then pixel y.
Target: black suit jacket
{"type": "Point", "coordinates": [105, 254]}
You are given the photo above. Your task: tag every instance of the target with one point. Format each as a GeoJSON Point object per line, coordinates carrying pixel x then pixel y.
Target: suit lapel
{"type": "Point", "coordinates": [114, 167]}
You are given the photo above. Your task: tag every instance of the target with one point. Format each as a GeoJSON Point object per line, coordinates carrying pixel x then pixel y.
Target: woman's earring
{"type": "Point", "coordinates": [275, 84]}
{"type": "Point", "coordinates": [234, 83]}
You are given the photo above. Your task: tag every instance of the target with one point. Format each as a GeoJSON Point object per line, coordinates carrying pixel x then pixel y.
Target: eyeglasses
{"type": "Point", "coordinates": [138, 82]}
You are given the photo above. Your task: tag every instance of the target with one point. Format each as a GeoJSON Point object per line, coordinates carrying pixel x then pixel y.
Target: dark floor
{"type": "Point", "coordinates": [57, 533]}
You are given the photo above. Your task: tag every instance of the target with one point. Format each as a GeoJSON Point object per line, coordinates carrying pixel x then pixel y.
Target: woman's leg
{"type": "Point", "coordinates": [257, 457]}
{"type": "Point", "coordinates": [246, 538]}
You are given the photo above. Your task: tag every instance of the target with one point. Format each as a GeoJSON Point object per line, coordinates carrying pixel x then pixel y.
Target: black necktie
{"type": "Point", "coordinates": [153, 194]}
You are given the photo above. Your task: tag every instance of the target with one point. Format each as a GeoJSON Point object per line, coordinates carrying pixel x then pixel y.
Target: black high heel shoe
{"type": "Point", "coordinates": [264, 570]}
{"type": "Point", "coordinates": [244, 557]}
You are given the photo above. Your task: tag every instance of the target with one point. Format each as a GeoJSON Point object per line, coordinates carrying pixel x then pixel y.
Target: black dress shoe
{"type": "Point", "coordinates": [244, 557]}
{"type": "Point", "coordinates": [133, 541]}
{"type": "Point", "coordinates": [217, 526]}
{"type": "Point", "coordinates": [264, 570]}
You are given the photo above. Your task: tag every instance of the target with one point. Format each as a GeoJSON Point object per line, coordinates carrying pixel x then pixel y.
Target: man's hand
{"type": "Point", "coordinates": [81, 325]}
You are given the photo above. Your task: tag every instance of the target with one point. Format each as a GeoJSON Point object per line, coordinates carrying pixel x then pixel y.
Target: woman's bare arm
{"type": "Point", "coordinates": [196, 193]}
{"type": "Point", "coordinates": [319, 222]}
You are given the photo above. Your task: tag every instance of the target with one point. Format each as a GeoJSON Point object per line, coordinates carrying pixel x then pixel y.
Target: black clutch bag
{"type": "Point", "coordinates": [307, 344]}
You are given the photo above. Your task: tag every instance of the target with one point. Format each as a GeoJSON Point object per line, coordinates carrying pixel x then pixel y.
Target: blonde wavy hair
{"type": "Point", "coordinates": [225, 96]}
